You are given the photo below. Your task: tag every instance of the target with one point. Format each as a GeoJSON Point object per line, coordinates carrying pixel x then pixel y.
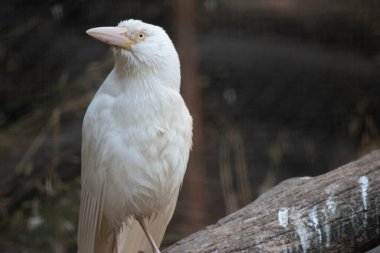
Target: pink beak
{"type": "Point", "coordinates": [114, 36]}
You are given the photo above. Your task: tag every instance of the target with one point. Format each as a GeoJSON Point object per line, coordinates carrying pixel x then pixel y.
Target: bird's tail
{"type": "Point", "coordinates": [132, 238]}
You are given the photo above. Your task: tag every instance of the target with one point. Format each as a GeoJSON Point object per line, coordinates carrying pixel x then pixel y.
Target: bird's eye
{"type": "Point", "coordinates": [141, 36]}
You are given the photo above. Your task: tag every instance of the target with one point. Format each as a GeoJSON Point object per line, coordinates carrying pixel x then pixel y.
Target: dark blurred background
{"type": "Point", "coordinates": [277, 89]}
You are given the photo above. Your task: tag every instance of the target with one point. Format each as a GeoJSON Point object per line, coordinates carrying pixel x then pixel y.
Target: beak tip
{"type": "Point", "coordinates": [89, 31]}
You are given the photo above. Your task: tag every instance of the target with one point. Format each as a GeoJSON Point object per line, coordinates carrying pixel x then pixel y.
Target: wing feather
{"type": "Point", "coordinates": [87, 221]}
{"type": "Point", "coordinates": [93, 229]}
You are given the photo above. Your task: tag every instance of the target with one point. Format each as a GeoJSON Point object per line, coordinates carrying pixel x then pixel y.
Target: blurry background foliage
{"type": "Point", "coordinates": [277, 88]}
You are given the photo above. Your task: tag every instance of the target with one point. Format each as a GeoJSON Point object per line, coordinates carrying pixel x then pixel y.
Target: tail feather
{"type": "Point", "coordinates": [133, 239]}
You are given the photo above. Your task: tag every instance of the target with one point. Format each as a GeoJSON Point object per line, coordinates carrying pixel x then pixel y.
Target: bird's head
{"type": "Point", "coordinates": [138, 45]}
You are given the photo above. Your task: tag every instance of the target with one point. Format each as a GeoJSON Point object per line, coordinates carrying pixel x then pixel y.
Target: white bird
{"type": "Point", "coordinates": [137, 135]}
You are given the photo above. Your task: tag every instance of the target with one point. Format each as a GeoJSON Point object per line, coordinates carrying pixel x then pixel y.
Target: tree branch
{"type": "Point", "coordinates": [335, 212]}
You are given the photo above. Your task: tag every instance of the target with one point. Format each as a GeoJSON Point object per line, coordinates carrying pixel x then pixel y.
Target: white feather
{"type": "Point", "coordinates": [136, 138]}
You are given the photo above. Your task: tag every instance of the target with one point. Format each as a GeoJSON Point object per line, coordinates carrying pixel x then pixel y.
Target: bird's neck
{"type": "Point", "coordinates": [135, 83]}
{"type": "Point", "coordinates": [126, 69]}
{"type": "Point", "coordinates": [147, 77]}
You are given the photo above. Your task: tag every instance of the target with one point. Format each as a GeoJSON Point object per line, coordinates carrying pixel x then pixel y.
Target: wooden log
{"type": "Point", "coordinates": [335, 212]}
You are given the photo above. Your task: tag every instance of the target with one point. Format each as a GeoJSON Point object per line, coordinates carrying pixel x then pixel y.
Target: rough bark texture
{"type": "Point", "coordinates": [335, 212]}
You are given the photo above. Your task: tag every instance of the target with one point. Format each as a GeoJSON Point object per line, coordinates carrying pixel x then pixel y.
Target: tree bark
{"type": "Point", "coordinates": [335, 212]}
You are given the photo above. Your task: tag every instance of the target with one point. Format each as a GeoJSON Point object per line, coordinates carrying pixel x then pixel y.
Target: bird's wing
{"type": "Point", "coordinates": [133, 239]}
{"type": "Point", "coordinates": [94, 232]}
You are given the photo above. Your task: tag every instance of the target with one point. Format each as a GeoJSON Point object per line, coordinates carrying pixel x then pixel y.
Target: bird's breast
{"type": "Point", "coordinates": [140, 151]}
